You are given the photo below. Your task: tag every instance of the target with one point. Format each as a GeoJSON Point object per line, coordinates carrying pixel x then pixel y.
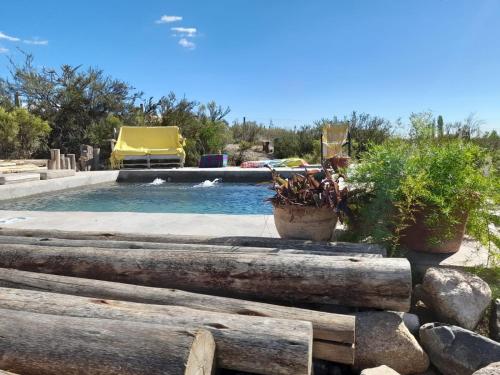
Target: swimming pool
{"type": "Point", "coordinates": [222, 198]}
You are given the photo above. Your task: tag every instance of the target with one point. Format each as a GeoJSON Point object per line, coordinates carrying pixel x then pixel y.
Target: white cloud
{"type": "Point", "coordinates": [187, 44]}
{"type": "Point", "coordinates": [185, 31]}
{"type": "Point", "coordinates": [169, 19]}
{"type": "Point", "coordinates": [37, 42]}
{"type": "Point", "coordinates": [8, 37]}
{"type": "Point", "coordinates": [3, 50]}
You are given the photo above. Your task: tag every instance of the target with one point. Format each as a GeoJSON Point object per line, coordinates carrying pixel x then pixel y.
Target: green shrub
{"type": "Point", "coordinates": [286, 146]}
{"type": "Point", "coordinates": [402, 176]}
{"type": "Point", "coordinates": [21, 133]}
{"type": "Point", "coordinates": [100, 132]}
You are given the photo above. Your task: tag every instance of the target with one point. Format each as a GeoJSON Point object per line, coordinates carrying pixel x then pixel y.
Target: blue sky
{"type": "Point", "coordinates": [288, 61]}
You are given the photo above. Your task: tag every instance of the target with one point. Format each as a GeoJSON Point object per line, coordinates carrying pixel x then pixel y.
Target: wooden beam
{"type": "Point", "coordinates": [207, 240]}
{"type": "Point", "coordinates": [383, 283]}
{"type": "Point", "coordinates": [251, 344]}
{"type": "Point", "coordinates": [326, 326]}
{"type": "Point", "coordinates": [111, 244]}
{"type": "Point", "coordinates": [45, 344]}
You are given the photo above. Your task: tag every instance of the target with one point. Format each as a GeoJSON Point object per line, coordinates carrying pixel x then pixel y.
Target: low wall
{"type": "Point", "coordinates": [229, 174]}
{"type": "Point", "coordinates": [47, 186]}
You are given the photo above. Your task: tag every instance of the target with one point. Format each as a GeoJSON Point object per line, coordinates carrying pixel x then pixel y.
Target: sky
{"type": "Point", "coordinates": [286, 61]}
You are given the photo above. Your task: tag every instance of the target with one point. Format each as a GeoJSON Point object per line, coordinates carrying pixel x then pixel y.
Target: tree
{"type": "Point", "coordinates": [8, 133]}
{"type": "Point", "coordinates": [365, 130]}
{"type": "Point", "coordinates": [440, 126]}
{"type": "Point", "coordinates": [203, 126]}
{"type": "Point", "coordinates": [32, 133]}
{"type": "Point", "coordinates": [422, 126]}
{"type": "Point", "coordinates": [21, 133]}
{"type": "Point", "coordinates": [71, 100]}
{"type": "Point", "coordinates": [99, 133]}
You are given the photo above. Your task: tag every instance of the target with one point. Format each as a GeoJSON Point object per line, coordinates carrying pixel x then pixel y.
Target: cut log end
{"type": "Point", "coordinates": [202, 357]}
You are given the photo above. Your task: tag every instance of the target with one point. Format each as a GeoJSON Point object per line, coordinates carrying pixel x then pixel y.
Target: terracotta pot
{"type": "Point", "coordinates": [340, 161]}
{"type": "Point", "coordinates": [305, 223]}
{"type": "Point", "coordinates": [417, 235]}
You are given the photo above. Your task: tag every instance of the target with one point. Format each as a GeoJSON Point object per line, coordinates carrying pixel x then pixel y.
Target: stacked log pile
{"type": "Point", "coordinates": [61, 161]}
{"type": "Point", "coordinates": [239, 296]}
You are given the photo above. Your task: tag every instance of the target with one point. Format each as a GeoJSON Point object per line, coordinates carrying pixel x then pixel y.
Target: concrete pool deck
{"type": "Point", "coordinates": [144, 223]}
{"type": "Point", "coordinates": [147, 223]}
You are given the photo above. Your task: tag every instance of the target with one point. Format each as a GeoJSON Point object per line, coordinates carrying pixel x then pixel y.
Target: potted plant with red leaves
{"type": "Point", "coordinates": [307, 206]}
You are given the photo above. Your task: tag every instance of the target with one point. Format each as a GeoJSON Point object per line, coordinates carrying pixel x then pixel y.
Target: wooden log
{"type": "Point", "coordinates": [96, 151]}
{"type": "Point", "coordinates": [252, 344]}
{"type": "Point", "coordinates": [72, 161]}
{"type": "Point", "coordinates": [67, 162]}
{"type": "Point", "coordinates": [326, 326]}
{"type": "Point", "coordinates": [383, 283]}
{"type": "Point", "coordinates": [51, 164]}
{"type": "Point", "coordinates": [265, 242]}
{"type": "Point", "coordinates": [45, 344]}
{"type": "Point", "coordinates": [55, 154]}
{"type": "Point", "coordinates": [44, 241]}
{"type": "Point", "coordinates": [62, 164]}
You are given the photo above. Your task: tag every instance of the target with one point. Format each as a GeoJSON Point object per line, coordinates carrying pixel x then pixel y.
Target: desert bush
{"type": "Point", "coordinates": [21, 133]}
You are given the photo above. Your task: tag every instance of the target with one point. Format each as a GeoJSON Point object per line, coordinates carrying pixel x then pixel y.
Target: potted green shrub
{"type": "Point", "coordinates": [419, 193]}
{"type": "Point", "coordinates": [307, 206]}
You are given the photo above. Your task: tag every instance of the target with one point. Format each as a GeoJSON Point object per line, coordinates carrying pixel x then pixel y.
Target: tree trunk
{"type": "Point", "coordinates": [252, 344]}
{"type": "Point", "coordinates": [326, 326]}
{"type": "Point", "coordinates": [40, 344]}
{"type": "Point", "coordinates": [383, 283]}
{"type": "Point", "coordinates": [279, 243]}
{"type": "Point", "coordinates": [44, 241]}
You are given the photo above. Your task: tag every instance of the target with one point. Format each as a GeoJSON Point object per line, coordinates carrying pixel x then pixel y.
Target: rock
{"type": "Point", "coordinates": [457, 351]}
{"type": "Point", "coordinates": [430, 371]}
{"type": "Point", "coordinates": [411, 321]}
{"type": "Point", "coordinates": [456, 297]}
{"type": "Point", "coordinates": [495, 320]}
{"type": "Point", "coordinates": [380, 370]}
{"type": "Point", "coordinates": [492, 369]}
{"type": "Point", "coordinates": [329, 368]}
{"type": "Point", "coordinates": [383, 339]}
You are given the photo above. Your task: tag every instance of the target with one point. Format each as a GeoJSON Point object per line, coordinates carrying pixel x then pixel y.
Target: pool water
{"type": "Point", "coordinates": [222, 198]}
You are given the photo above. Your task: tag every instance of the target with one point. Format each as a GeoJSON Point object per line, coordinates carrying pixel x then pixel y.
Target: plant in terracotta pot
{"type": "Point", "coordinates": [420, 193]}
{"type": "Point", "coordinates": [307, 206]}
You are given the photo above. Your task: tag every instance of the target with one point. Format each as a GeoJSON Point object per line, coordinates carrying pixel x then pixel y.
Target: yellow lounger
{"type": "Point", "coordinates": [158, 143]}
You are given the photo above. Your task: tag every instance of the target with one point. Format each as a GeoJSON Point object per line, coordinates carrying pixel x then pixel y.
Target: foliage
{"type": "Point", "coordinates": [8, 133]}
{"type": "Point", "coordinates": [404, 176]}
{"type": "Point", "coordinates": [366, 130]}
{"type": "Point", "coordinates": [243, 147]}
{"type": "Point", "coordinates": [99, 133]}
{"type": "Point", "coordinates": [71, 100]}
{"type": "Point", "coordinates": [287, 145]}
{"type": "Point", "coordinates": [21, 133]}
{"type": "Point", "coordinates": [202, 125]}
{"type": "Point", "coordinates": [440, 126]}
{"type": "Point", "coordinates": [305, 142]}
{"type": "Point", "coordinates": [249, 131]}
{"type": "Point", "coordinates": [318, 190]}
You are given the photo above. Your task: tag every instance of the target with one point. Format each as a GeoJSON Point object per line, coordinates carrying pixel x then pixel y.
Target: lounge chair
{"type": "Point", "coordinates": [148, 146]}
{"type": "Point", "coordinates": [333, 138]}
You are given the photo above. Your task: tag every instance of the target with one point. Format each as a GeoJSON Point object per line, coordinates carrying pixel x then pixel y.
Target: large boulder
{"type": "Point", "coordinates": [456, 297]}
{"type": "Point", "coordinates": [495, 320]}
{"type": "Point", "coordinates": [383, 339]}
{"type": "Point", "coordinates": [380, 370]}
{"type": "Point", "coordinates": [457, 351]}
{"type": "Point", "coordinates": [492, 369]}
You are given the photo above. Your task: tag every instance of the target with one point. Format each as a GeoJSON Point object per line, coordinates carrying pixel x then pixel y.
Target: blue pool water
{"type": "Point", "coordinates": [223, 198]}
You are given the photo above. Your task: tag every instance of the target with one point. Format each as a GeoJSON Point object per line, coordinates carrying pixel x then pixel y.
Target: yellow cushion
{"type": "Point", "coordinates": [142, 141]}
